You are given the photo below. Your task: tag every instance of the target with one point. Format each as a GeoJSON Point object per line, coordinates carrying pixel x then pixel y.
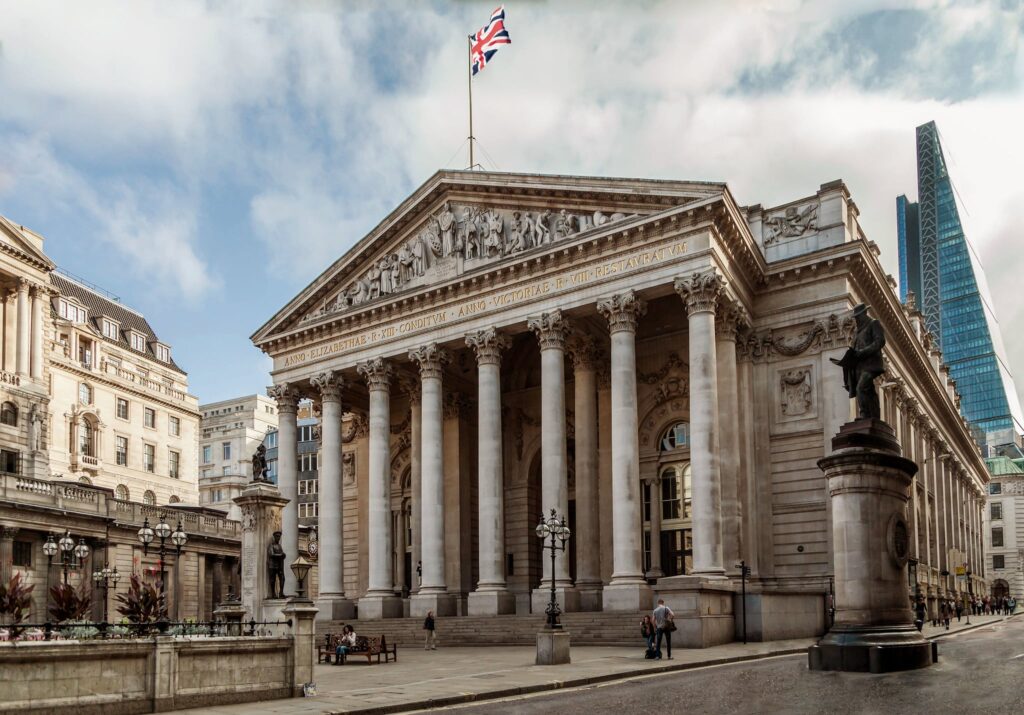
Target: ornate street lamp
{"type": "Point", "coordinates": [68, 551]}
{"type": "Point", "coordinates": [300, 568]}
{"type": "Point", "coordinates": [555, 529]}
{"type": "Point", "coordinates": [162, 531]}
{"type": "Point", "coordinates": [106, 578]}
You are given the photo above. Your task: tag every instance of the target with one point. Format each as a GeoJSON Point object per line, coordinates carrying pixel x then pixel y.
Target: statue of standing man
{"type": "Point", "coordinates": [862, 363]}
{"type": "Point", "coordinates": [275, 567]}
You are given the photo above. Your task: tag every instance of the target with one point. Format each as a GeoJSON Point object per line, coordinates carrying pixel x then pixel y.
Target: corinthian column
{"type": "Point", "coordinates": [491, 596]}
{"type": "Point", "coordinates": [23, 329]}
{"type": "Point", "coordinates": [332, 602]}
{"type": "Point", "coordinates": [433, 594]}
{"type": "Point", "coordinates": [700, 292]}
{"type": "Point", "coordinates": [288, 474]}
{"type": "Point", "coordinates": [588, 559]}
{"type": "Point", "coordinates": [731, 318]}
{"type": "Point", "coordinates": [628, 591]}
{"type": "Point", "coordinates": [380, 600]}
{"type": "Point", "coordinates": [414, 394]}
{"type": "Point", "coordinates": [36, 359]}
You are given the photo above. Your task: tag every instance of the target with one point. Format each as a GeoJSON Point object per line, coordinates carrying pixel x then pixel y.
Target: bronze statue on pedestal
{"type": "Point", "coordinates": [862, 363]}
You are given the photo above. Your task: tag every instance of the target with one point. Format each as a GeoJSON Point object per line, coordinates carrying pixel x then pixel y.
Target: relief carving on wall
{"type": "Point", "coordinates": [671, 382]}
{"type": "Point", "coordinates": [348, 467]}
{"type": "Point", "coordinates": [456, 239]}
{"type": "Point", "coordinates": [796, 392]}
{"type": "Point", "coordinates": [790, 224]}
{"type": "Point", "coordinates": [518, 421]}
{"type": "Point", "coordinates": [824, 334]}
{"type": "Point", "coordinates": [248, 518]}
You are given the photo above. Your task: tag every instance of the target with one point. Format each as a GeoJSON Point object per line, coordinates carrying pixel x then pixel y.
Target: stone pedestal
{"type": "Point", "coordinates": [233, 613]}
{"type": "Point", "coordinates": [591, 598]}
{"type": "Point", "coordinates": [630, 597]}
{"type": "Point", "coordinates": [333, 608]}
{"type": "Point", "coordinates": [568, 599]}
{"type": "Point", "coordinates": [869, 483]}
{"type": "Point", "coordinates": [491, 603]}
{"type": "Point", "coordinates": [261, 505]}
{"type": "Point", "coordinates": [704, 609]}
{"type": "Point", "coordinates": [302, 612]}
{"type": "Point", "coordinates": [374, 607]}
{"type": "Point", "coordinates": [552, 647]}
{"type": "Point", "coordinates": [442, 604]}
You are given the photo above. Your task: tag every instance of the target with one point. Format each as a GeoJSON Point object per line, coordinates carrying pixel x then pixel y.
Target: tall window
{"type": "Point", "coordinates": [85, 352]}
{"type": "Point", "coordinates": [997, 510]}
{"type": "Point", "coordinates": [307, 462]}
{"type": "Point", "coordinates": [149, 458]}
{"type": "Point", "coordinates": [997, 537]}
{"type": "Point", "coordinates": [70, 311]}
{"type": "Point", "coordinates": [9, 414]}
{"type": "Point", "coordinates": [676, 499]}
{"type": "Point", "coordinates": [998, 561]}
{"type": "Point", "coordinates": [122, 492]}
{"type": "Point", "coordinates": [149, 416]}
{"type": "Point", "coordinates": [307, 486]}
{"type": "Point", "coordinates": [22, 554]}
{"type": "Point", "coordinates": [122, 451]}
{"type": "Point", "coordinates": [85, 438]}
{"type": "Point", "coordinates": [163, 353]}
{"type": "Point", "coordinates": [139, 342]}
{"type": "Point", "coordinates": [9, 461]}
{"type": "Point", "coordinates": [271, 440]}
{"type": "Point", "coordinates": [225, 449]}
{"type": "Point", "coordinates": [173, 459]}
{"type": "Point", "coordinates": [122, 408]}
{"type": "Point", "coordinates": [207, 454]}
{"type": "Point", "coordinates": [110, 329]}
{"type": "Point", "coordinates": [149, 497]}
{"type": "Point", "coordinates": [225, 471]}
{"type": "Point", "coordinates": [306, 433]}
{"type": "Point", "coordinates": [677, 436]}
{"type": "Point", "coordinates": [85, 394]}
{"type": "Point", "coordinates": [995, 488]}
{"type": "Point", "coordinates": [174, 425]}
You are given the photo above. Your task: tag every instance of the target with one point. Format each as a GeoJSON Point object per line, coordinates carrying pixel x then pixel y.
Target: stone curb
{"type": "Point", "coordinates": [463, 698]}
{"type": "Point", "coordinates": [972, 627]}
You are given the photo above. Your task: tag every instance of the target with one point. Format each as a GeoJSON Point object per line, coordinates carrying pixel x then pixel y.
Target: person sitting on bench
{"type": "Point", "coordinates": [348, 641]}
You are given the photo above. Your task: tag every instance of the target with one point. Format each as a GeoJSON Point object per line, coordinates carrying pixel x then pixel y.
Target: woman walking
{"type": "Point", "coordinates": [430, 642]}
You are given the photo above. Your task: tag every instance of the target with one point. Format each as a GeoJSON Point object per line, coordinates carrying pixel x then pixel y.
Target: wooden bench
{"type": "Point", "coordinates": [371, 647]}
{"type": "Point", "coordinates": [327, 647]}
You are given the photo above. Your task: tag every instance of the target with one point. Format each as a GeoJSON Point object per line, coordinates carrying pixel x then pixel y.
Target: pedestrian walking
{"type": "Point", "coordinates": [664, 624]}
{"type": "Point", "coordinates": [647, 631]}
{"type": "Point", "coordinates": [944, 613]}
{"type": "Point", "coordinates": [430, 641]}
{"type": "Point", "coordinates": [959, 610]}
{"type": "Point", "coordinates": [919, 610]}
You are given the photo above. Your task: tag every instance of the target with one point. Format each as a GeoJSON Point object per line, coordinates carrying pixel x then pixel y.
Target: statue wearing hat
{"type": "Point", "coordinates": [275, 566]}
{"type": "Point", "coordinates": [862, 363]}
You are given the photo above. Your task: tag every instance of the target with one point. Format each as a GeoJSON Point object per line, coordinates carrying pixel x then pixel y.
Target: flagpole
{"type": "Point", "coordinates": [469, 69]}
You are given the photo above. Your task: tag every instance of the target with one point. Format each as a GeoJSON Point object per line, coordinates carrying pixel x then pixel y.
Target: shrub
{"type": "Point", "coordinates": [143, 603]}
{"type": "Point", "coordinates": [15, 599]}
{"type": "Point", "coordinates": [68, 604]}
{"type": "Point", "coordinates": [82, 630]}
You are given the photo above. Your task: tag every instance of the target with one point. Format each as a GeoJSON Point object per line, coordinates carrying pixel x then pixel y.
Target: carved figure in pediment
{"type": "Point", "coordinates": [494, 243]}
{"type": "Point", "coordinates": [373, 279]}
{"type": "Point", "coordinates": [600, 219]}
{"type": "Point", "coordinates": [446, 225]}
{"type": "Point", "coordinates": [563, 225]}
{"type": "Point", "coordinates": [417, 250]}
{"type": "Point", "coordinates": [470, 238]}
{"type": "Point", "coordinates": [516, 242]}
{"type": "Point", "coordinates": [528, 231]}
{"type": "Point", "coordinates": [359, 293]}
{"type": "Point", "coordinates": [385, 275]}
{"type": "Point", "coordinates": [404, 263]}
{"type": "Point", "coordinates": [432, 237]}
{"type": "Point", "coordinates": [396, 273]}
{"type": "Point", "coordinates": [542, 229]}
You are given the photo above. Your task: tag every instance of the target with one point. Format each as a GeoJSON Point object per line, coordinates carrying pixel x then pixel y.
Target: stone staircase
{"type": "Point", "coordinates": [594, 628]}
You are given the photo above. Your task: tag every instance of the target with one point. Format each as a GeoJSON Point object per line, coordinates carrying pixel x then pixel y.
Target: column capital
{"type": "Point", "coordinates": [23, 285]}
{"type": "Point", "coordinates": [377, 373]}
{"type": "Point", "coordinates": [700, 290]}
{"type": "Point", "coordinates": [7, 533]}
{"type": "Point", "coordinates": [732, 318]}
{"type": "Point", "coordinates": [623, 311]}
{"type": "Point", "coordinates": [286, 396]}
{"type": "Point", "coordinates": [584, 352]}
{"type": "Point", "coordinates": [329, 384]}
{"type": "Point", "coordinates": [431, 359]}
{"type": "Point", "coordinates": [411, 387]}
{"type": "Point", "coordinates": [488, 345]}
{"type": "Point", "coordinates": [552, 329]}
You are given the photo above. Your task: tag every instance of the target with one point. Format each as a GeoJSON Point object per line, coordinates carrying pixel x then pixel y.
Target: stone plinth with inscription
{"type": "Point", "coordinates": [869, 484]}
{"type": "Point", "coordinates": [260, 504]}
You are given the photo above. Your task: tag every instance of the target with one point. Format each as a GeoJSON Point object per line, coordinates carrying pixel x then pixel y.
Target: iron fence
{"type": "Point", "coordinates": [103, 630]}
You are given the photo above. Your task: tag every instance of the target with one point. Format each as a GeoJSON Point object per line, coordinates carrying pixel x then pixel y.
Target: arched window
{"type": "Point", "coordinates": [85, 394]}
{"type": "Point", "coordinates": [9, 414]}
{"type": "Point", "coordinates": [676, 436]}
{"type": "Point", "coordinates": [85, 480]}
{"type": "Point", "coordinates": [122, 493]}
{"type": "Point", "coordinates": [149, 497]}
{"type": "Point", "coordinates": [86, 441]}
{"type": "Point", "coordinates": [174, 499]}
{"type": "Point", "coordinates": [676, 499]}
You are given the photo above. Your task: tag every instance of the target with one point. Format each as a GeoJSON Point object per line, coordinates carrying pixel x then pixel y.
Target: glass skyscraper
{"type": "Point", "coordinates": [940, 266]}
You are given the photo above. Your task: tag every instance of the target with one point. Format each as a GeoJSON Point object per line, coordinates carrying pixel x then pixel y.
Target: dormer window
{"type": "Point", "coordinates": [70, 311]}
{"type": "Point", "coordinates": [138, 342]}
{"type": "Point", "coordinates": [163, 353]}
{"type": "Point", "coordinates": [110, 329]}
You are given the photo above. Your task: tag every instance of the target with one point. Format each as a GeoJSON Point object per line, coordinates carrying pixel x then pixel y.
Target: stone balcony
{"type": "Point", "coordinates": [75, 498]}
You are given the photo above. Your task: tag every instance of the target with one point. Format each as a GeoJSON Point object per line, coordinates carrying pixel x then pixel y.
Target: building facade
{"type": "Point", "coordinates": [647, 358]}
{"type": "Point", "coordinates": [940, 271]}
{"type": "Point", "coordinates": [229, 433]}
{"type": "Point", "coordinates": [1004, 527]}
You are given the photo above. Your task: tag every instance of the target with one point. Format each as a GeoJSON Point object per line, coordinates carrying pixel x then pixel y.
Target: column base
{"type": "Point", "coordinates": [377, 607]}
{"type": "Point", "coordinates": [442, 604]}
{"type": "Point", "coordinates": [704, 609]}
{"type": "Point", "coordinates": [491, 603]}
{"type": "Point", "coordinates": [866, 649]}
{"type": "Point", "coordinates": [335, 608]}
{"type": "Point", "coordinates": [568, 599]}
{"type": "Point", "coordinates": [626, 597]}
{"type": "Point", "coordinates": [552, 647]}
{"type": "Point", "coordinates": [590, 595]}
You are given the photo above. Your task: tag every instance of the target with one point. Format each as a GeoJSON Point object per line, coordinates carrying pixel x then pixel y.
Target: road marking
{"type": "Point", "coordinates": [1017, 656]}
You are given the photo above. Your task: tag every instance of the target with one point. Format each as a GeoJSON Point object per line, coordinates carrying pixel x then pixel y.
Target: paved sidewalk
{"type": "Point", "coordinates": [930, 631]}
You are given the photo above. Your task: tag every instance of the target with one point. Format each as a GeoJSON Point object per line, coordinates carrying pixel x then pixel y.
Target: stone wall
{"type": "Point", "coordinates": [140, 676]}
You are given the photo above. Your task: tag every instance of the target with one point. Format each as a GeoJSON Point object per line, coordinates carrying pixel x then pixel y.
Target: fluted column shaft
{"type": "Point", "coordinates": [330, 522]}
{"type": "Point", "coordinates": [36, 360]}
{"type": "Point", "coordinates": [415, 481]}
{"type": "Point", "coordinates": [431, 359]}
{"type": "Point", "coordinates": [701, 292]}
{"type": "Point", "coordinates": [552, 329]}
{"type": "Point", "coordinates": [488, 345]}
{"type": "Point", "coordinates": [730, 319]}
{"type": "Point", "coordinates": [588, 565]}
{"type": "Point", "coordinates": [654, 484]}
{"type": "Point", "coordinates": [287, 475]}
{"type": "Point", "coordinates": [378, 379]}
{"type": "Point", "coordinates": [623, 312]}
{"type": "Point", "coordinates": [22, 365]}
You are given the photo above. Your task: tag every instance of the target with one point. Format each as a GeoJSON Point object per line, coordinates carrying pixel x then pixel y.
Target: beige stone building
{"type": "Point", "coordinates": [650, 359]}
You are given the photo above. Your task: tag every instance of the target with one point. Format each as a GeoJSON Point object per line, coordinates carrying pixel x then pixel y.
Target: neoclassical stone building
{"type": "Point", "coordinates": [647, 358]}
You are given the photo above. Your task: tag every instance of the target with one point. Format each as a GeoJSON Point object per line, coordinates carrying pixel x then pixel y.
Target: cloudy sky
{"type": "Point", "coordinates": [205, 160]}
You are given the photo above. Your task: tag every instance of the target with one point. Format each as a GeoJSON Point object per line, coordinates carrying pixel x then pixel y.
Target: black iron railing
{"type": "Point", "coordinates": [102, 630]}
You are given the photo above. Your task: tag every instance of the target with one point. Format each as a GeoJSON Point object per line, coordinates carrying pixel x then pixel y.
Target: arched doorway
{"type": "Point", "coordinates": [535, 507]}
{"type": "Point", "coordinates": [668, 507]}
{"type": "Point", "coordinates": [1000, 589]}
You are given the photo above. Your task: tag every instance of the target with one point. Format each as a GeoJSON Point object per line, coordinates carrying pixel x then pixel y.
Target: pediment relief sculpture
{"type": "Point", "coordinates": [455, 239]}
{"type": "Point", "coordinates": [794, 221]}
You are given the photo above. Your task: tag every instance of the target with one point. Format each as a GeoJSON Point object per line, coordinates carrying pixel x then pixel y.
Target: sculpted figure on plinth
{"type": "Point", "coordinates": [275, 567]}
{"type": "Point", "coordinates": [862, 363]}
{"type": "Point", "coordinates": [259, 465]}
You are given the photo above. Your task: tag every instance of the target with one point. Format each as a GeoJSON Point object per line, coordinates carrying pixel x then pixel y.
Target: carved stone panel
{"type": "Point", "coordinates": [794, 391]}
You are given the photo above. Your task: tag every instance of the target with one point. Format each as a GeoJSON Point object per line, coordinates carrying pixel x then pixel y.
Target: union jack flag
{"type": "Point", "coordinates": [485, 43]}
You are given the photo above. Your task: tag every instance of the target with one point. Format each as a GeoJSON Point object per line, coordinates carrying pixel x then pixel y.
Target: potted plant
{"type": "Point", "coordinates": [143, 604]}
{"type": "Point", "coordinates": [15, 603]}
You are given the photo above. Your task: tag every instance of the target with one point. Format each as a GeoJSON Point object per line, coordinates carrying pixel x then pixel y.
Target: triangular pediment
{"type": "Point", "coordinates": [20, 242]}
{"type": "Point", "coordinates": [460, 221]}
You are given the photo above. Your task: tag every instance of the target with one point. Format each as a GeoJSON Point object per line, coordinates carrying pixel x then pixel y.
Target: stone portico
{"type": "Point", "coordinates": [648, 358]}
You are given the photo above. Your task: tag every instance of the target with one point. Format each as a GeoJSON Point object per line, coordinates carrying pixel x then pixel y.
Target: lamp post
{"type": "Point", "coordinates": [970, 593]}
{"type": "Point", "coordinates": [163, 532]}
{"type": "Point", "coordinates": [68, 552]}
{"type": "Point", "coordinates": [555, 529]}
{"type": "Point", "coordinates": [744, 572]}
{"type": "Point", "coordinates": [104, 578]}
{"type": "Point", "coordinates": [300, 568]}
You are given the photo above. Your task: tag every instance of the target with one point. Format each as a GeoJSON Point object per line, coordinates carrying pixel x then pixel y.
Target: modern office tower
{"type": "Point", "coordinates": [940, 267]}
